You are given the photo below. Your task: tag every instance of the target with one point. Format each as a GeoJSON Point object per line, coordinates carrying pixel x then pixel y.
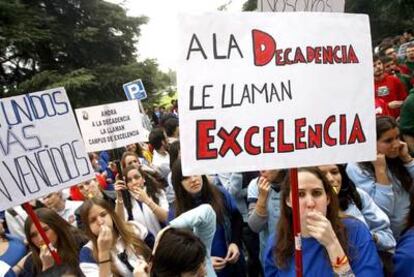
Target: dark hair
{"type": "Point", "coordinates": [174, 151]}
{"type": "Point", "coordinates": [178, 251]}
{"type": "Point", "coordinates": [348, 192]}
{"type": "Point", "coordinates": [170, 125]}
{"type": "Point", "coordinates": [376, 57]}
{"type": "Point", "coordinates": [153, 186]}
{"type": "Point", "coordinates": [121, 229]}
{"type": "Point", "coordinates": [185, 202]}
{"type": "Point", "coordinates": [156, 137]}
{"type": "Point", "coordinates": [395, 165]}
{"type": "Point", "coordinates": [386, 59]}
{"type": "Point", "coordinates": [283, 251]}
{"type": "Point", "coordinates": [66, 244]}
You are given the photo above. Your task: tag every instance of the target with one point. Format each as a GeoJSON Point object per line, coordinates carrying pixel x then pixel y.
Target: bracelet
{"type": "Point", "coordinates": [104, 261]}
{"type": "Point", "coordinates": [340, 262]}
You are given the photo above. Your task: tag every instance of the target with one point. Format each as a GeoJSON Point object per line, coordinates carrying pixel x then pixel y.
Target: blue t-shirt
{"type": "Point", "coordinates": [365, 261]}
{"type": "Point", "coordinates": [404, 255]}
{"type": "Point", "coordinates": [13, 254]}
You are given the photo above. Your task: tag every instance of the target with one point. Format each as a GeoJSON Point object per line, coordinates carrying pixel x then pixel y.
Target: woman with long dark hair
{"type": "Point", "coordinates": [356, 202]}
{"type": "Point", "coordinates": [389, 178]}
{"type": "Point", "coordinates": [116, 247]}
{"type": "Point", "coordinates": [145, 200]}
{"type": "Point", "coordinates": [192, 191]}
{"type": "Point", "coordinates": [330, 244]}
{"type": "Point", "coordinates": [65, 238]}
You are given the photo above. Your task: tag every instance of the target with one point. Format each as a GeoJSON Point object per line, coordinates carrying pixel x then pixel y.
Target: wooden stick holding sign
{"type": "Point", "coordinates": [296, 220]}
{"type": "Point", "coordinates": [35, 219]}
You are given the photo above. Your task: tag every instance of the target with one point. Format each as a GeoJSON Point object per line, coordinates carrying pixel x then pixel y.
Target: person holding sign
{"type": "Point", "coordinates": [116, 247]}
{"type": "Point", "coordinates": [389, 178]}
{"type": "Point", "coordinates": [330, 245]}
{"type": "Point", "coordinates": [192, 191]}
{"type": "Point", "coordinates": [64, 237]}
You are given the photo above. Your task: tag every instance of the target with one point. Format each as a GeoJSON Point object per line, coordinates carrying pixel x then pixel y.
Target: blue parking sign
{"type": "Point", "coordinates": [135, 90]}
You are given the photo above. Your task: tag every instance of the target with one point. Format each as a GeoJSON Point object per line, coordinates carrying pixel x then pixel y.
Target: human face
{"type": "Point", "coordinates": [98, 217]}
{"type": "Point", "coordinates": [270, 175]}
{"type": "Point", "coordinates": [132, 160]}
{"type": "Point", "coordinates": [389, 143]}
{"type": "Point", "coordinates": [131, 147]}
{"type": "Point", "coordinates": [389, 67]}
{"type": "Point", "coordinates": [134, 179]}
{"type": "Point", "coordinates": [378, 68]}
{"type": "Point", "coordinates": [199, 272]}
{"type": "Point", "coordinates": [89, 189]}
{"type": "Point", "coordinates": [312, 196]}
{"type": "Point", "coordinates": [332, 173]}
{"type": "Point", "coordinates": [390, 52]}
{"type": "Point", "coordinates": [192, 184]}
{"type": "Point", "coordinates": [410, 53]}
{"type": "Point", "coordinates": [37, 240]}
{"type": "Point", "coordinates": [54, 201]}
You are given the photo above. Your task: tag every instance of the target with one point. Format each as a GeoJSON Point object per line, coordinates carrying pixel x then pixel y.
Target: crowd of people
{"type": "Point", "coordinates": [141, 217]}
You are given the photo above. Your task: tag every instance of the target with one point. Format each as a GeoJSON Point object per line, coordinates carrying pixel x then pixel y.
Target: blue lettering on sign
{"type": "Point", "coordinates": [135, 90]}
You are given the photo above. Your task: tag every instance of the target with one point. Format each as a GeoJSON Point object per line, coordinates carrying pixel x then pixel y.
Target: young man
{"type": "Point", "coordinates": [409, 60]}
{"type": "Point", "coordinates": [388, 88]}
{"type": "Point", "coordinates": [389, 51]}
{"type": "Point", "coordinates": [391, 68]}
{"type": "Point", "coordinates": [161, 157]}
{"type": "Point", "coordinates": [64, 208]}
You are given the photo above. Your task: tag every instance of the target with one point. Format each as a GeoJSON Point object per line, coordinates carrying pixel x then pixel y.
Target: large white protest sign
{"type": "Point", "coordinates": [301, 5]}
{"type": "Point", "coordinates": [111, 126]}
{"type": "Point", "coordinates": [41, 150]}
{"type": "Point", "coordinates": [275, 90]}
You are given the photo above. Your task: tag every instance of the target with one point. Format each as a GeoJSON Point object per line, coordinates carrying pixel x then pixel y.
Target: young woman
{"type": "Point", "coordinates": [64, 237]}
{"type": "Point", "coordinates": [330, 245]}
{"type": "Point", "coordinates": [389, 178]}
{"type": "Point", "coordinates": [115, 247]}
{"type": "Point", "coordinates": [192, 191]}
{"type": "Point", "coordinates": [357, 203]}
{"type": "Point", "coordinates": [130, 158]}
{"type": "Point", "coordinates": [404, 254]}
{"type": "Point", "coordinates": [146, 201]}
{"type": "Point", "coordinates": [12, 250]}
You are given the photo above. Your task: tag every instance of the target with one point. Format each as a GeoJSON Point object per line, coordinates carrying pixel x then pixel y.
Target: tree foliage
{"type": "Point", "coordinates": [387, 18]}
{"type": "Point", "coordinates": [87, 46]}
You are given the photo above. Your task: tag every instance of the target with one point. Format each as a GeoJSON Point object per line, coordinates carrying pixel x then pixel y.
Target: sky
{"type": "Point", "coordinates": [158, 36]}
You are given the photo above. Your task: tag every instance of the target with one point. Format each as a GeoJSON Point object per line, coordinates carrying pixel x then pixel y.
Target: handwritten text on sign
{"type": "Point", "coordinates": [301, 5]}
{"type": "Point", "coordinates": [41, 150]}
{"type": "Point", "coordinates": [111, 126]}
{"type": "Point", "coordinates": [263, 91]}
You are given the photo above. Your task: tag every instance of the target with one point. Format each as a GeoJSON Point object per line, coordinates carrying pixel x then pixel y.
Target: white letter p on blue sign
{"type": "Point", "coordinates": [135, 90]}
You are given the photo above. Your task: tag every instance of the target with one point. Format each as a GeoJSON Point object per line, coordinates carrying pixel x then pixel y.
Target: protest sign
{"type": "Point", "coordinates": [276, 90]}
{"type": "Point", "coordinates": [301, 5]}
{"type": "Point", "coordinates": [41, 149]}
{"type": "Point", "coordinates": [111, 126]}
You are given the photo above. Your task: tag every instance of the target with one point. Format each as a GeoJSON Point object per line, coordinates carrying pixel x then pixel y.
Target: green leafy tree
{"type": "Point", "coordinates": [87, 46]}
{"type": "Point", "coordinates": [387, 18]}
